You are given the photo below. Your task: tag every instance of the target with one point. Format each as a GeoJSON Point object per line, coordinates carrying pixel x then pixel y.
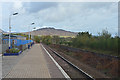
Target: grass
{"type": "Point", "coordinates": [60, 36]}
{"type": "Point", "coordinates": [69, 53]}
{"type": "Point", "coordinates": [102, 52]}
{"type": "Point", "coordinates": [67, 36]}
{"type": "Point", "coordinates": [107, 66]}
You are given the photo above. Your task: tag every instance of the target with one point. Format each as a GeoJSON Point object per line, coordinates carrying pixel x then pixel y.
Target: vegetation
{"type": "Point", "coordinates": [103, 43]}
{"type": "Point", "coordinates": [55, 40]}
{"type": "Point", "coordinates": [37, 39]}
{"type": "Point", "coordinates": [106, 65]}
{"type": "Point", "coordinates": [47, 39]}
{"type": "Point", "coordinates": [13, 50]}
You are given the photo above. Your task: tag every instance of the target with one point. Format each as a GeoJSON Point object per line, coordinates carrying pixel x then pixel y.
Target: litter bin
{"type": "Point", "coordinates": [21, 47]}
{"type": "Point", "coordinates": [28, 46]}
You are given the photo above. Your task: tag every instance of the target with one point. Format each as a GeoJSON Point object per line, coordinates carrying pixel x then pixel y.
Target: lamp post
{"type": "Point", "coordinates": [34, 30]}
{"type": "Point", "coordinates": [10, 27]}
{"type": "Point", "coordinates": [29, 36]}
{"type": "Point", "coordinates": [30, 30]}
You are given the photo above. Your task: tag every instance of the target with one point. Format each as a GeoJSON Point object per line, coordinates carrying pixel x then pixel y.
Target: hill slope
{"type": "Point", "coordinates": [1, 31]}
{"type": "Point", "coordinates": [52, 31]}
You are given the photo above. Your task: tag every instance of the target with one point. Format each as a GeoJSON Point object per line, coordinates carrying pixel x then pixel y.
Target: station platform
{"type": "Point", "coordinates": [35, 64]}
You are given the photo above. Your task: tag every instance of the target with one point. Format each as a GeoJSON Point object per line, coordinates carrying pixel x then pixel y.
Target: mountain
{"type": "Point", "coordinates": [52, 31]}
{"type": "Point", "coordinates": [1, 31]}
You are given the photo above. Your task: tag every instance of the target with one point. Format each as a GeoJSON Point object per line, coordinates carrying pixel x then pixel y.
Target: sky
{"type": "Point", "coordinates": [71, 16]}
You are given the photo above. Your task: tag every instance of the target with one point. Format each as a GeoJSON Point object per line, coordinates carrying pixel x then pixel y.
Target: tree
{"type": "Point", "coordinates": [105, 34]}
{"type": "Point", "coordinates": [37, 39]}
{"type": "Point", "coordinates": [47, 39]}
{"type": "Point", "coordinates": [55, 39]}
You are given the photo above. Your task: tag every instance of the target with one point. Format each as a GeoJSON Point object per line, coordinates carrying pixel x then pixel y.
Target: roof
{"type": "Point", "coordinates": [8, 36]}
{"type": "Point", "coordinates": [13, 36]}
{"type": "Point", "coordinates": [19, 36]}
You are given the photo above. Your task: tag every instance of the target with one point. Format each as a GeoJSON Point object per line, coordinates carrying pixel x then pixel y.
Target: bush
{"type": "Point", "coordinates": [103, 42]}
{"type": "Point", "coordinates": [13, 50]}
{"type": "Point", "coordinates": [47, 40]}
{"type": "Point", "coordinates": [37, 39]}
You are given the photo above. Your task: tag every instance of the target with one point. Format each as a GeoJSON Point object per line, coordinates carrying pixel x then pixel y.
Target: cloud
{"type": "Point", "coordinates": [59, 13]}
{"type": "Point", "coordinates": [0, 16]}
{"type": "Point", "coordinates": [65, 11]}
{"type": "Point", "coordinates": [81, 16]}
{"type": "Point", "coordinates": [33, 7]}
{"type": "Point", "coordinates": [17, 5]}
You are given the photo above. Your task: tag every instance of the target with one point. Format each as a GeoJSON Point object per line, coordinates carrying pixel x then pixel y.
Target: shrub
{"type": "Point", "coordinates": [13, 50]}
{"type": "Point", "coordinates": [103, 42]}
{"type": "Point", "coordinates": [37, 39]}
{"type": "Point", "coordinates": [47, 40]}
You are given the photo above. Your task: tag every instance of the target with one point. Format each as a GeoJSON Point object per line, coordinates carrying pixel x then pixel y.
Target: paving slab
{"type": "Point", "coordinates": [32, 65]}
{"type": "Point", "coordinates": [53, 69]}
{"type": "Point", "coordinates": [8, 62]}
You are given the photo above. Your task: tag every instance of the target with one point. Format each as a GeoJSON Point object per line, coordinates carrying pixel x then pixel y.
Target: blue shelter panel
{"type": "Point", "coordinates": [18, 42]}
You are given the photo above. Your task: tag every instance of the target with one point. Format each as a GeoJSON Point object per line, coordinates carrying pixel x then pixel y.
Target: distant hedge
{"type": "Point", "coordinates": [102, 42]}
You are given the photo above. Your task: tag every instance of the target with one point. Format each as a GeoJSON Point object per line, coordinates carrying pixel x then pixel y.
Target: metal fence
{"type": "Point", "coordinates": [15, 43]}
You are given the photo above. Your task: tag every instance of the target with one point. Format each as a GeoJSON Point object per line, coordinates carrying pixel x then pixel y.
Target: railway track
{"type": "Point", "coordinates": [72, 70]}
